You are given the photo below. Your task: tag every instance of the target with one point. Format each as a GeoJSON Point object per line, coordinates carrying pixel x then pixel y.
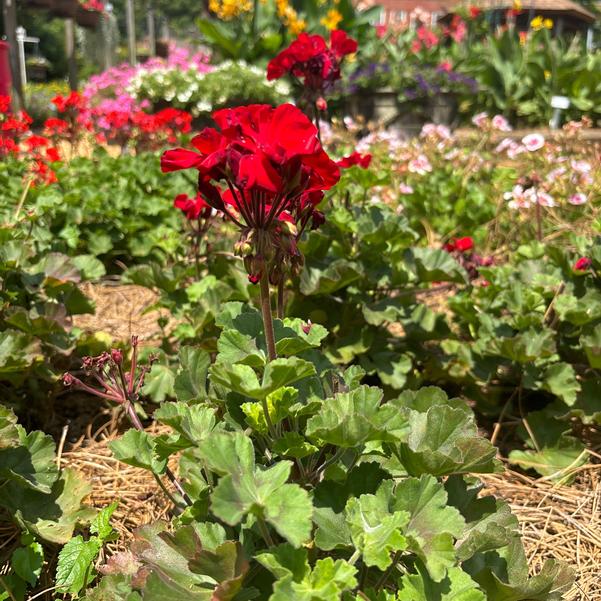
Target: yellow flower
{"type": "Point", "coordinates": [228, 9]}
{"type": "Point", "coordinates": [536, 23]}
{"type": "Point", "coordinates": [548, 23]}
{"type": "Point", "coordinates": [517, 4]}
{"type": "Point", "coordinates": [297, 26]}
{"type": "Point", "coordinates": [331, 20]}
{"type": "Point", "coordinates": [214, 6]}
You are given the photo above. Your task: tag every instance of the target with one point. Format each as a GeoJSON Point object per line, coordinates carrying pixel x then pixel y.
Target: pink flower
{"type": "Point", "coordinates": [582, 167]}
{"type": "Point", "coordinates": [435, 131]}
{"type": "Point", "coordinates": [500, 123]}
{"type": "Point", "coordinates": [533, 142]}
{"type": "Point", "coordinates": [517, 198]}
{"type": "Point", "coordinates": [420, 165]}
{"type": "Point", "coordinates": [480, 120]}
{"type": "Point", "coordinates": [578, 199]}
{"type": "Point", "coordinates": [405, 189]}
{"type": "Point", "coordinates": [542, 198]}
{"type": "Point", "coordinates": [445, 66]}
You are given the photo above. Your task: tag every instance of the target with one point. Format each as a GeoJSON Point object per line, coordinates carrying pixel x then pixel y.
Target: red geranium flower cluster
{"type": "Point", "coordinates": [314, 63]}
{"type": "Point", "coordinates": [266, 171]}
{"type": "Point", "coordinates": [583, 264]}
{"type": "Point", "coordinates": [146, 131]}
{"type": "Point", "coordinates": [462, 249]}
{"type": "Point", "coordinates": [356, 158]}
{"type": "Point", "coordinates": [16, 139]}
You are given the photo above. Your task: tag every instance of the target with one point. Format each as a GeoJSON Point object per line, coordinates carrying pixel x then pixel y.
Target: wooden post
{"type": "Point", "coordinates": [150, 23]}
{"type": "Point", "coordinates": [9, 13]}
{"type": "Point", "coordinates": [70, 52]}
{"type": "Point", "coordinates": [130, 22]}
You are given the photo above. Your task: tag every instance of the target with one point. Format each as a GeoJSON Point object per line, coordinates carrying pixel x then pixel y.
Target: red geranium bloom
{"type": "Point", "coordinates": [356, 158]}
{"type": "Point", "coordinates": [427, 36]}
{"type": "Point", "coordinates": [193, 208]}
{"type": "Point", "coordinates": [73, 101]}
{"type": "Point", "coordinates": [4, 104]}
{"type": "Point", "coordinates": [461, 245]}
{"type": "Point", "coordinates": [52, 154]}
{"type": "Point", "coordinates": [583, 264]}
{"type": "Point", "coordinates": [263, 168]}
{"type": "Point", "coordinates": [475, 12]}
{"type": "Point", "coordinates": [55, 126]}
{"type": "Point", "coordinates": [310, 59]}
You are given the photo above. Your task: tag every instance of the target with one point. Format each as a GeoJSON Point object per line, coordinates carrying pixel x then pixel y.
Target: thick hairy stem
{"type": "Point", "coordinates": [267, 316]}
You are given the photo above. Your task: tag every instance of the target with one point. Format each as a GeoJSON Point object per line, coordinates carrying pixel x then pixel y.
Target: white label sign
{"type": "Point", "coordinates": [560, 102]}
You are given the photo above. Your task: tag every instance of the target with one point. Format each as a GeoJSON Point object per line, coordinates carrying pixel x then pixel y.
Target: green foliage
{"type": "Point", "coordinates": [334, 481]}
{"type": "Point", "coordinates": [44, 502]}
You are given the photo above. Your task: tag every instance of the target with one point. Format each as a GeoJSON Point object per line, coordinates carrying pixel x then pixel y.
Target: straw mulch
{"type": "Point", "coordinates": [121, 311]}
{"type": "Point", "coordinates": [559, 522]}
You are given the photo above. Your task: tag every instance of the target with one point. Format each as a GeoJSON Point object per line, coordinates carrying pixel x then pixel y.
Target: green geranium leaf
{"type": "Point", "coordinates": [53, 516]}
{"type": "Point", "coordinates": [444, 440]}
{"type": "Point", "coordinates": [293, 336]}
{"type": "Point", "coordinates": [456, 586]}
{"type": "Point", "coordinates": [191, 380]}
{"type": "Point", "coordinates": [139, 449]}
{"type": "Point", "coordinates": [353, 418]}
{"type": "Point", "coordinates": [325, 582]}
{"type": "Point", "coordinates": [27, 562]}
{"type": "Point", "coordinates": [193, 422]}
{"type": "Point", "coordinates": [592, 347]}
{"type": "Point", "coordinates": [278, 405]}
{"type": "Point", "coordinates": [560, 380]}
{"type": "Point", "coordinates": [294, 446]}
{"type": "Point", "coordinates": [175, 565]}
{"type": "Point", "coordinates": [31, 462]}
{"type": "Point", "coordinates": [376, 527]}
{"type": "Point", "coordinates": [557, 463]}
{"type": "Point", "coordinates": [159, 383]}
{"type": "Point", "coordinates": [434, 265]}
{"type": "Point", "coordinates": [245, 488]}
{"type": "Point", "coordinates": [489, 521]}
{"type": "Point", "coordinates": [338, 274]}
{"type": "Point", "coordinates": [278, 373]}
{"type": "Point", "coordinates": [433, 525]}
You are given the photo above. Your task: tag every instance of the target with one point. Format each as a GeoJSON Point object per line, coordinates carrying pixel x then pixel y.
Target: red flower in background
{"type": "Point", "coordinates": [356, 158]}
{"type": "Point", "coordinates": [475, 12]}
{"type": "Point", "coordinates": [309, 58]}
{"type": "Point", "coordinates": [193, 208]}
{"type": "Point", "coordinates": [583, 264]}
{"type": "Point", "coordinates": [74, 101]}
{"type": "Point", "coordinates": [266, 170]}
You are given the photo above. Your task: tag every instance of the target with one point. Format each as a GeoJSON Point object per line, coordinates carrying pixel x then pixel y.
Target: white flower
{"type": "Point", "coordinates": [533, 142]}
{"type": "Point", "coordinates": [578, 199]}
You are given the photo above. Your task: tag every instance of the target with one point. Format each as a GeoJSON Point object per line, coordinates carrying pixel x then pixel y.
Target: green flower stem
{"type": "Point", "coordinates": [137, 424]}
{"type": "Point", "coordinates": [354, 557]}
{"type": "Point", "coordinates": [280, 305]}
{"type": "Point", "coordinates": [264, 530]}
{"type": "Point", "coordinates": [384, 577]}
{"type": "Point", "coordinates": [267, 318]}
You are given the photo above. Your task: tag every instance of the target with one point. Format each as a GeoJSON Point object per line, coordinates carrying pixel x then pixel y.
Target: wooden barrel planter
{"type": "Point", "coordinates": [87, 18]}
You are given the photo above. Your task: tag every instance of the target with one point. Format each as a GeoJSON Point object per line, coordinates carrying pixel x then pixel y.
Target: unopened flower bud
{"type": "Point", "coordinates": [68, 379]}
{"type": "Point", "coordinates": [307, 326]}
{"type": "Point", "coordinates": [321, 104]}
{"type": "Point", "coordinates": [117, 356]}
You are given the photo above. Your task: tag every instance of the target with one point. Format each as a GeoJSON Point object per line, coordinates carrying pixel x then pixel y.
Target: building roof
{"type": "Point", "coordinates": [558, 6]}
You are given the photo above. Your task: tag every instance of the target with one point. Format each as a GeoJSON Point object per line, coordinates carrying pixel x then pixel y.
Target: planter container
{"type": "Point", "coordinates": [87, 18]}
{"type": "Point", "coordinates": [380, 105]}
{"type": "Point", "coordinates": [37, 72]}
{"type": "Point", "coordinates": [162, 48]}
{"type": "Point", "coordinates": [443, 109]}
